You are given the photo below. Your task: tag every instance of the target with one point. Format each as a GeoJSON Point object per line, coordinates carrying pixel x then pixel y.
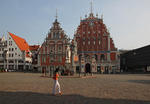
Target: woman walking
{"type": "Point", "coordinates": [56, 86]}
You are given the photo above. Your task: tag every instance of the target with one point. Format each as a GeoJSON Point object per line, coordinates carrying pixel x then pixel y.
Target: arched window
{"type": "Point", "coordinates": [102, 57]}
{"type": "Point", "coordinates": [96, 57]}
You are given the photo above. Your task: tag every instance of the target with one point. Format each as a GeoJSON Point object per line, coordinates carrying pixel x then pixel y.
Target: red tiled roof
{"type": "Point", "coordinates": [34, 47]}
{"type": "Point", "coordinates": [21, 43]}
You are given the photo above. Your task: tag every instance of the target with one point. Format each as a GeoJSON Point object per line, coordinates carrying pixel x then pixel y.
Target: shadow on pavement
{"type": "Point", "coordinates": [140, 81]}
{"type": "Point", "coordinates": [39, 98]}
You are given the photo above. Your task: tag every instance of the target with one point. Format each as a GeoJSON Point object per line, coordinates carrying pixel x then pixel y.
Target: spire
{"type": "Point", "coordinates": [97, 15]}
{"type": "Point", "coordinates": [56, 15]}
{"type": "Point", "coordinates": [102, 16]}
{"type": "Point", "coordinates": [91, 9]}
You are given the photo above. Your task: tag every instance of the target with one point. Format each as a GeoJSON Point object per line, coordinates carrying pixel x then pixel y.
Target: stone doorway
{"type": "Point", "coordinates": [88, 68]}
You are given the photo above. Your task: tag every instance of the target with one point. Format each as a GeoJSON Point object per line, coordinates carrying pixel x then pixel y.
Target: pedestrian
{"type": "Point", "coordinates": [56, 86]}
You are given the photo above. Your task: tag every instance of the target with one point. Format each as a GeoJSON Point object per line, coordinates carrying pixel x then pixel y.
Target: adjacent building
{"type": "Point", "coordinates": [3, 51]}
{"type": "Point", "coordinates": [55, 50]}
{"type": "Point", "coordinates": [15, 53]}
{"type": "Point", "coordinates": [137, 60]}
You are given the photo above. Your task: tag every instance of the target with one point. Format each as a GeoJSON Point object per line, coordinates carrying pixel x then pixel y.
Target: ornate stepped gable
{"type": "Point", "coordinates": [54, 47]}
{"type": "Point", "coordinates": [92, 35]}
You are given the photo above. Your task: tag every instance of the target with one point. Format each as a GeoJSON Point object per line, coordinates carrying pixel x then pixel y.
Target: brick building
{"type": "Point", "coordinates": [95, 47]}
{"type": "Point", "coordinates": [55, 50]}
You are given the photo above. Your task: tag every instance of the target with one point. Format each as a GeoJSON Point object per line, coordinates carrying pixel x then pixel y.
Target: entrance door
{"type": "Point", "coordinates": [88, 68]}
{"type": "Point", "coordinates": [99, 69]}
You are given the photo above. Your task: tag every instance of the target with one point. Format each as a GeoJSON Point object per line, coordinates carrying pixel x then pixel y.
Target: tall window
{"type": "Point", "coordinates": [102, 57]}
{"type": "Point", "coordinates": [43, 59]}
{"type": "Point", "coordinates": [99, 40]}
{"type": "Point", "coordinates": [88, 42]}
{"type": "Point", "coordinates": [83, 42]}
{"type": "Point", "coordinates": [51, 58]}
{"type": "Point", "coordinates": [59, 59]}
{"type": "Point", "coordinates": [94, 42]}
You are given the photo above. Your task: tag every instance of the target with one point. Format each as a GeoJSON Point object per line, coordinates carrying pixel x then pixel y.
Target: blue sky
{"type": "Point", "coordinates": [127, 20]}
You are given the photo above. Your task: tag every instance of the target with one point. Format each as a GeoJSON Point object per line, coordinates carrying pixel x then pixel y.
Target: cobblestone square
{"type": "Point", "coordinates": [31, 88]}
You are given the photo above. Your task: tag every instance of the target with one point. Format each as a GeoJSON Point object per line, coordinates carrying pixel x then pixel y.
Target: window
{"type": "Point", "coordinates": [11, 61]}
{"type": "Point", "coordinates": [12, 55]}
{"type": "Point", "coordinates": [15, 48]}
{"type": "Point", "coordinates": [89, 42]}
{"type": "Point", "coordinates": [15, 53]}
{"type": "Point", "coordinates": [43, 59]}
{"type": "Point", "coordinates": [83, 42]}
{"type": "Point", "coordinates": [102, 57]}
{"type": "Point", "coordinates": [12, 49]}
{"type": "Point", "coordinates": [59, 48]}
{"type": "Point", "coordinates": [9, 49]}
{"type": "Point", "coordinates": [9, 55]}
{"type": "Point", "coordinates": [20, 61]}
{"type": "Point", "coordinates": [51, 58]}
{"type": "Point", "coordinates": [99, 42]}
{"type": "Point", "coordinates": [59, 59]}
{"type": "Point", "coordinates": [94, 42]}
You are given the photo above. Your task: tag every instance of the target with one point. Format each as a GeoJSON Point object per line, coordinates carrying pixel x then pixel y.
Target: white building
{"type": "Point", "coordinates": [17, 55]}
{"type": "Point", "coordinates": [3, 48]}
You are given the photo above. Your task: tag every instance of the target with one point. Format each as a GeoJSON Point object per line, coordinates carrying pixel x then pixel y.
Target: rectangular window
{"type": "Point", "coordinates": [89, 42]}
{"type": "Point", "coordinates": [43, 59]}
{"type": "Point", "coordinates": [99, 42]}
{"type": "Point", "coordinates": [83, 42]}
{"type": "Point", "coordinates": [94, 42]}
{"type": "Point", "coordinates": [51, 58]}
{"type": "Point", "coordinates": [59, 59]}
